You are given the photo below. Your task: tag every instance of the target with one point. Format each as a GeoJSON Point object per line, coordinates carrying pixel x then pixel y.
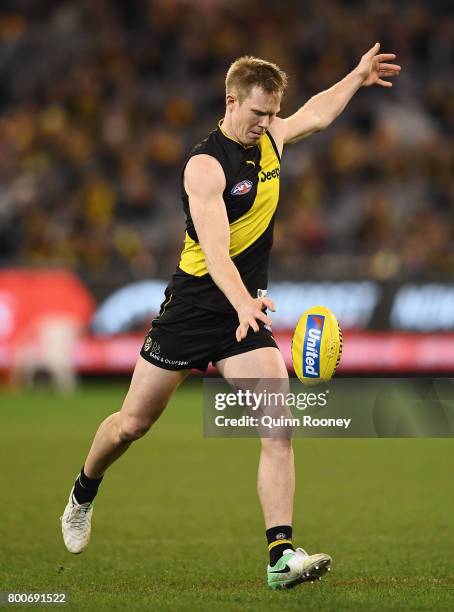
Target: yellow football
{"type": "Point", "coordinates": [316, 346]}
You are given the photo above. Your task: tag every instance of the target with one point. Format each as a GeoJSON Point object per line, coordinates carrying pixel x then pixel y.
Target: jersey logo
{"type": "Point", "coordinates": [266, 176]}
{"type": "Point", "coordinates": [249, 161]}
{"type": "Point", "coordinates": [241, 188]}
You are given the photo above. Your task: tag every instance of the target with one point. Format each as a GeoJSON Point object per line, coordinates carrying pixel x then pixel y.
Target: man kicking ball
{"type": "Point", "coordinates": [215, 305]}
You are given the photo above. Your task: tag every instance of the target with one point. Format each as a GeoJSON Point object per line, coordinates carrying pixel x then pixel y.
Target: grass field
{"type": "Point", "coordinates": [177, 524]}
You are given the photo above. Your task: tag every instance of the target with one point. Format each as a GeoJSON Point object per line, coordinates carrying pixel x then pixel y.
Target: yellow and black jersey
{"type": "Point", "coordinates": [251, 196]}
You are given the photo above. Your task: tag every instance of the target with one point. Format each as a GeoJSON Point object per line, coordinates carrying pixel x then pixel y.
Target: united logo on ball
{"type": "Point", "coordinates": [316, 346]}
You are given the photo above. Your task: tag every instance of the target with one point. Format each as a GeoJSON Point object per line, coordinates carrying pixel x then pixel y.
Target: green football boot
{"type": "Point", "coordinates": [295, 567]}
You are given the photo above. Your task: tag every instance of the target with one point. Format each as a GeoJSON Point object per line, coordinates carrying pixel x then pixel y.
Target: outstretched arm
{"type": "Point", "coordinates": [321, 110]}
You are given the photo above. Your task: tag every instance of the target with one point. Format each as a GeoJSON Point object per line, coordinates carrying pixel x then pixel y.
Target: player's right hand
{"type": "Point", "coordinates": [373, 67]}
{"type": "Point", "coordinates": [250, 312]}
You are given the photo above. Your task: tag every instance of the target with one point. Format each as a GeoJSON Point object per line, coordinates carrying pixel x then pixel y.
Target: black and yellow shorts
{"type": "Point", "coordinates": [184, 336]}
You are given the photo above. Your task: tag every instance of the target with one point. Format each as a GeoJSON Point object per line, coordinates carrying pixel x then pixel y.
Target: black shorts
{"type": "Point", "coordinates": [184, 336]}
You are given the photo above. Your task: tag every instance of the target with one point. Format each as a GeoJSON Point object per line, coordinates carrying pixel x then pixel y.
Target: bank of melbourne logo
{"type": "Point", "coordinates": [311, 347]}
{"type": "Point", "coordinates": [241, 188]}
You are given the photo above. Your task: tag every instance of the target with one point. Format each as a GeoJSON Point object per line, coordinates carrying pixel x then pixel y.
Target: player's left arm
{"type": "Point", "coordinates": [321, 110]}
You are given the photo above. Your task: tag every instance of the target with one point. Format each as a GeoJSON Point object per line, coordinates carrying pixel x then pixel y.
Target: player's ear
{"type": "Point", "coordinates": [230, 99]}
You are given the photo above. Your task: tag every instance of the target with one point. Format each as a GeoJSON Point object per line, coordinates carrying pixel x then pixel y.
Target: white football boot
{"type": "Point", "coordinates": [295, 567]}
{"type": "Point", "coordinates": [76, 524]}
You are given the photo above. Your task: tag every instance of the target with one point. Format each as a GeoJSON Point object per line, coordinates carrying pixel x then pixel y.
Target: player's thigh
{"type": "Point", "coordinates": [149, 392]}
{"type": "Point", "coordinates": [263, 373]}
{"type": "Point", "coordinates": [265, 362]}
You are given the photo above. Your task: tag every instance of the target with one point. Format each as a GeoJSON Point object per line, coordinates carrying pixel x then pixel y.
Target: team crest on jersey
{"type": "Point", "coordinates": [241, 188]}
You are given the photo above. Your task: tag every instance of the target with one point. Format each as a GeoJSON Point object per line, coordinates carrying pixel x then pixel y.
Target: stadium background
{"type": "Point", "coordinates": [100, 101]}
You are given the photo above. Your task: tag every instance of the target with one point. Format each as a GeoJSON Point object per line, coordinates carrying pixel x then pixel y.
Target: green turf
{"type": "Point", "coordinates": [177, 525]}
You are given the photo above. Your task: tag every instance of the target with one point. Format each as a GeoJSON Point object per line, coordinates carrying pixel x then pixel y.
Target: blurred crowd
{"type": "Point", "coordinates": [101, 101]}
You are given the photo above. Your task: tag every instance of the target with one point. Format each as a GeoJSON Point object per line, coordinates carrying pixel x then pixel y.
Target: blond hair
{"type": "Point", "coordinates": [247, 72]}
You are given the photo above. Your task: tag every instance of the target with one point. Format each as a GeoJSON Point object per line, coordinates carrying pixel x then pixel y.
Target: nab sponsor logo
{"type": "Point", "coordinates": [241, 188]}
{"type": "Point", "coordinates": [311, 347]}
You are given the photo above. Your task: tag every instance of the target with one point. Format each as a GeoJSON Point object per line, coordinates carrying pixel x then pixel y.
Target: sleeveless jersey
{"type": "Point", "coordinates": [251, 195]}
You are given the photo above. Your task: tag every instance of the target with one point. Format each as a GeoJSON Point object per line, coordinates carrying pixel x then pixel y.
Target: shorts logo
{"type": "Point", "coordinates": [155, 353]}
{"type": "Point", "coordinates": [241, 188]}
{"type": "Point", "coordinates": [155, 349]}
{"type": "Point", "coordinates": [311, 347]}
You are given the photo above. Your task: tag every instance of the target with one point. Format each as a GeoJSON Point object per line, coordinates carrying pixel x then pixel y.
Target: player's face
{"type": "Point", "coordinates": [253, 117]}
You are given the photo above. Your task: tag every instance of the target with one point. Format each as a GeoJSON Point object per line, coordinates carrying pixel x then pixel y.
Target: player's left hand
{"type": "Point", "coordinates": [373, 67]}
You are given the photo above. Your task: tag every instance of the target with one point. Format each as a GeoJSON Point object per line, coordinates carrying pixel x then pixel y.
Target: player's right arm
{"type": "Point", "coordinates": [204, 182]}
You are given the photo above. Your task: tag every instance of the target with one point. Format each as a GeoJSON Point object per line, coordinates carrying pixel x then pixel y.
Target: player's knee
{"type": "Point", "coordinates": [133, 429]}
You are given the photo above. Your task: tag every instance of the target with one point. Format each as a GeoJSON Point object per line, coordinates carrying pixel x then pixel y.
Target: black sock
{"type": "Point", "coordinates": [279, 539]}
{"type": "Point", "coordinates": [85, 488]}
